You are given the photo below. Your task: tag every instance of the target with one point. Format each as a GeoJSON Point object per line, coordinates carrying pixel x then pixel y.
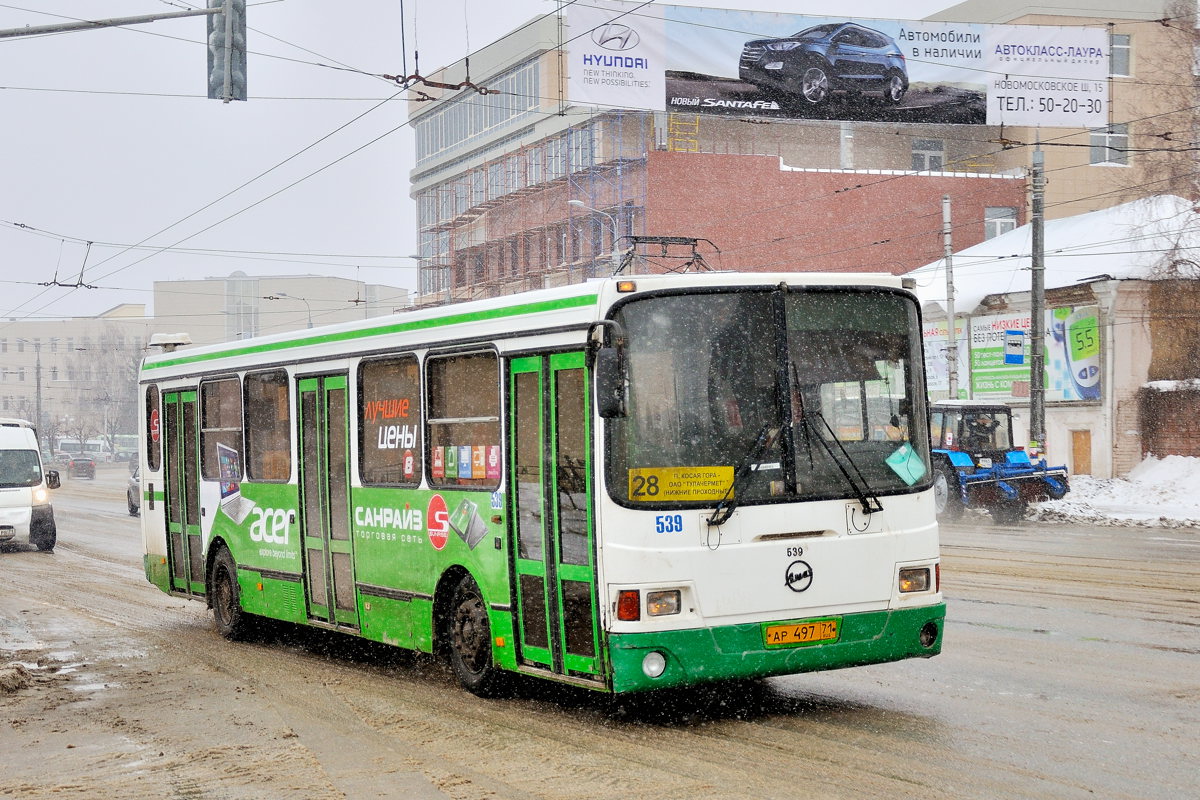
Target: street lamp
{"type": "Point", "coordinates": [616, 233]}
{"type": "Point", "coordinates": [278, 295]}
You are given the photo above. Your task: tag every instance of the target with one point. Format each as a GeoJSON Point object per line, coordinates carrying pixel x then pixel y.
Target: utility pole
{"type": "Point", "coordinates": [35, 30]}
{"type": "Point", "coordinates": [226, 39]}
{"type": "Point", "coordinates": [951, 334]}
{"type": "Point", "coordinates": [1037, 302]}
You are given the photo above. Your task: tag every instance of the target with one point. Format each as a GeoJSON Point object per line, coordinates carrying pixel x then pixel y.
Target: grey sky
{"type": "Point", "coordinates": [108, 138]}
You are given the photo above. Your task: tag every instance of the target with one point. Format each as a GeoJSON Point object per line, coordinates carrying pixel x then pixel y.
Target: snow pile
{"type": "Point", "coordinates": [1158, 492]}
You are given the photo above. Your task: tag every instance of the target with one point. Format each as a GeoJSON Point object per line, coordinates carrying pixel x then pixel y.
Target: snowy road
{"type": "Point", "coordinates": [1071, 669]}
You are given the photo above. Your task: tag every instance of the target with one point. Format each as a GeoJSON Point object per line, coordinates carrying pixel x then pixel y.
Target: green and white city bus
{"type": "Point", "coordinates": [624, 484]}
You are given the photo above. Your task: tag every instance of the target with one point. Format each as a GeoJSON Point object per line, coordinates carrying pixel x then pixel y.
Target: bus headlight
{"type": "Point", "coordinates": [662, 604]}
{"type": "Point", "coordinates": [654, 664]}
{"type": "Point", "coordinates": [40, 496]}
{"type": "Point", "coordinates": [915, 579]}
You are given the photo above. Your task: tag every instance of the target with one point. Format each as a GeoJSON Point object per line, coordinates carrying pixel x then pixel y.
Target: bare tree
{"type": "Point", "coordinates": [105, 373]}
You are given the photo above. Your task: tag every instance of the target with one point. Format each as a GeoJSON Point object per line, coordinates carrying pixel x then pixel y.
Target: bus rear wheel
{"type": "Point", "coordinates": [470, 641]}
{"type": "Point", "coordinates": [232, 622]}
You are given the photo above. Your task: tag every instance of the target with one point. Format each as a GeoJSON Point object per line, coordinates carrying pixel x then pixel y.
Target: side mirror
{"type": "Point", "coordinates": [52, 479]}
{"type": "Point", "coordinates": [610, 383]}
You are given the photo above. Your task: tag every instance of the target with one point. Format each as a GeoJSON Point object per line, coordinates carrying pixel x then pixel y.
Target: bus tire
{"type": "Point", "coordinates": [231, 621]}
{"type": "Point", "coordinates": [469, 641]}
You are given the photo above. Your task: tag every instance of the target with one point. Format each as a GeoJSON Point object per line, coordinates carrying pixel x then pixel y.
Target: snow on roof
{"type": "Point", "coordinates": [1140, 239]}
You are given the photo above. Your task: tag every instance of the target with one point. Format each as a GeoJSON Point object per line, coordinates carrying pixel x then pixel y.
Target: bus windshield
{"type": "Point", "coordinates": [19, 468]}
{"type": "Point", "coordinates": [824, 381]}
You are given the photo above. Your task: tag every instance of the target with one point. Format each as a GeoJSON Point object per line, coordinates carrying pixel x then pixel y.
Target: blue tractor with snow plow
{"type": "Point", "coordinates": [976, 464]}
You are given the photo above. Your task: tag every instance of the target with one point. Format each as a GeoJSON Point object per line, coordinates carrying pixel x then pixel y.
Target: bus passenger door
{"type": "Point", "coordinates": [324, 506]}
{"type": "Point", "coordinates": [185, 542]}
{"type": "Point", "coordinates": [552, 532]}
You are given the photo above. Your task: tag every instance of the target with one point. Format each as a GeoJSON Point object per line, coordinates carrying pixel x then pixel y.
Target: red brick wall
{"type": "Point", "coordinates": [762, 218]}
{"type": "Point", "coordinates": [1170, 423]}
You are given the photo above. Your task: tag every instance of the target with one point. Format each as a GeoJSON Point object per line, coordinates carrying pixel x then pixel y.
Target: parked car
{"type": "Point", "coordinates": [81, 467]}
{"type": "Point", "coordinates": [133, 493]}
{"type": "Point", "coordinates": [817, 61]}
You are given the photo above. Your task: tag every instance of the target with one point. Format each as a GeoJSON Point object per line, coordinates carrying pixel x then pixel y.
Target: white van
{"type": "Point", "coordinates": [25, 511]}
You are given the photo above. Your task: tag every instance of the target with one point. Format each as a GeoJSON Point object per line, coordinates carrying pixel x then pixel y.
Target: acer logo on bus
{"type": "Point", "coordinates": [271, 525]}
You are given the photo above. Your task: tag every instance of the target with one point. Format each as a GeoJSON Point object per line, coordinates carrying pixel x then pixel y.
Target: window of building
{"type": "Point", "coordinates": [221, 430]}
{"type": "Point", "coordinates": [556, 158]}
{"type": "Point", "coordinates": [3, 345]}
{"type": "Point", "coordinates": [464, 121]}
{"type": "Point", "coordinates": [928, 154]}
{"type": "Point", "coordinates": [20, 345]}
{"type": "Point", "coordinates": [478, 187]}
{"type": "Point", "coordinates": [496, 184]}
{"type": "Point", "coordinates": [153, 429]}
{"type": "Point", "coordinates": [462, 395]}
{"type": "Point", "coordinates": [1110, 145]}
{"type": "Point", "coordinates": [389, 422]}
{"type": "Point", "coordinates": [533, 166]}
{"type": "Point", "coordinates": [998, 220]}
{"type": "Point", "coordinates": [54, 373]}
{"type": "Point", "coordinates": [1120, 54]}
{"type": "Point", "coordinates": [583, 148]}
{"type": "Point", "coordinates": [268, 426]}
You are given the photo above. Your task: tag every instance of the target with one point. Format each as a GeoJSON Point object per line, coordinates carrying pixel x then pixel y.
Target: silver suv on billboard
{"type": "Point", "coordinates": [816, 62]}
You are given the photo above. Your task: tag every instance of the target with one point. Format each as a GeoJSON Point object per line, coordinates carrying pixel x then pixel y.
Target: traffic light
{"type": "Point", "coordinates": [227, 50]}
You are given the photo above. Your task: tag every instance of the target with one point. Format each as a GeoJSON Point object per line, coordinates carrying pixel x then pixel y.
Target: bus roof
{"type": "Point", "coordinates": [566, 307]}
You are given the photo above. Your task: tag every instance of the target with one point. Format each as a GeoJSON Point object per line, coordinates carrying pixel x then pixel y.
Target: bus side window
{"type": "Point", "coordinates": [154, 433]}
{"type": "Point", "coordinates": [268, 426]}
{"type": "Point", "coordinates": [463, 404]}
{"type": "Point", "coordinates": [221, 430]}
{"type": "Point", "coordinates": [389, 422]}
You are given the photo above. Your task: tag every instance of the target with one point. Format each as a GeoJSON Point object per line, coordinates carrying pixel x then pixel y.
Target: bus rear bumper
{"type": "Point", "coordinates": [738, 651]}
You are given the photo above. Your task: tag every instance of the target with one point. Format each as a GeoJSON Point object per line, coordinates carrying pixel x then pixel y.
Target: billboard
{"type": "Point", "coordinates": [937, 367]}
{"type": "Point", "coordinates": [718, 61]}
{"type": "Point", "coordinates": [1072, 355]}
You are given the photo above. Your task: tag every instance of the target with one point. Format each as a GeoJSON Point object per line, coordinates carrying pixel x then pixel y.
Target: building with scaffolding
{"type": "Point", "coordinates": [519, 184]}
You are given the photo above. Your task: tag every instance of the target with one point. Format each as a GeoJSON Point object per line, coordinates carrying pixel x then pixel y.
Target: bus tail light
{"type": "Point", "coordinates": [914, 580]}
{"type": "Point", "coordinates": [662, 604]}
{"type": "Point", "coordinates": [629, 605]}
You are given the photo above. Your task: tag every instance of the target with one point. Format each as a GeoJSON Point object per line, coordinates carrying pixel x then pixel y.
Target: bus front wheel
{"type": "Point", "coordinates": [470, 641]}
{"type": "Point", "coordinates": [226, 603]}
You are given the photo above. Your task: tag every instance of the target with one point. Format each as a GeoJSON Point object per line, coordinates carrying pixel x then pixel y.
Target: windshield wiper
{"type": "Point", "coordinates": [763, 442]}
{"type": "Point", "coordinates": [862, 490]}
